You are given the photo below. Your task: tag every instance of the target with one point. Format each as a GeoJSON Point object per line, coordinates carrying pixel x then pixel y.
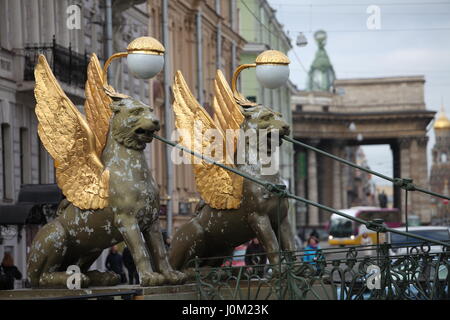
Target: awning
{"type": "Point", "coordinates": [16, 214]}
{"type": "Point", "coordinates": [40, 194]}
{"type": "Point", "coordinates": [34, 201]}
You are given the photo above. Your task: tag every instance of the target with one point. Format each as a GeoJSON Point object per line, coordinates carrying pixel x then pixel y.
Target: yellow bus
{"type": "Point", "coordinates": [343, 231]}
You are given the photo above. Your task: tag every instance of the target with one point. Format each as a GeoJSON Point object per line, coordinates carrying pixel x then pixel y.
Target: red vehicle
{"type": "Point", "coordinates": [238, 256]}
{"type": "Point", "coordinates": [344, 231]}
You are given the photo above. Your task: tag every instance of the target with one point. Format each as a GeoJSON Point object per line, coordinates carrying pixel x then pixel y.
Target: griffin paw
{"type": "Point", "coordinates": [174, 277]}
{"type": "Point", "coordinates": [150, 279]}
{"type": "Point", "coordinates": [107, 278]}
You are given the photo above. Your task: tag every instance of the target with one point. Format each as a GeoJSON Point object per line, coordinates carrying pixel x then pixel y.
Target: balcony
{"type": "Point", "coordinates": [68, 66]}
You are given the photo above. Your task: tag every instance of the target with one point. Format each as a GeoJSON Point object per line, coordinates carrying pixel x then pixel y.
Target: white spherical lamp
{"type": "Point", "coordinates": [145, 57]}
{"type": "Point", "coordinates": [272, 69]}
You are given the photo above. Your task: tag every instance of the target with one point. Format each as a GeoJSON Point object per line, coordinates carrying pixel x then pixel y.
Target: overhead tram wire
{"type": "Point", "coordinates": [391, 4]}
{"type": "Point", "coordinates": [270, 31]}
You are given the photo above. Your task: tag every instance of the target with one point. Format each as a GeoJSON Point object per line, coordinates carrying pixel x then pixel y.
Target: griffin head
{"type": "Point", "coordinates": [133, 122]}
{"type": "Point", "coordinates": [259, 117]}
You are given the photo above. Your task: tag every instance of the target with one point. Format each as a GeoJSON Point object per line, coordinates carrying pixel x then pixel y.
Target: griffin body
{"type": "Point", "coordinates": [79, 235]}
{"type": "Point", "coordinates": [218, 229]}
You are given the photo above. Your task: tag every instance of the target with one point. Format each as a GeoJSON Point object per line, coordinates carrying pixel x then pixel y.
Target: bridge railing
{"type": "Point", "coordinates": [355, 273]}
{"type": "Point", "coordinates": [411, 276]}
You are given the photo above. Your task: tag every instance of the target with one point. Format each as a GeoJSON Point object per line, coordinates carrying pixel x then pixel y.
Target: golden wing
{"type": "Point", "coordinates": [227, 113]}
{"type": "Point", "coordinates": [96, 106]}
{"type": "Point", "coordinates": [225, 106]}
{"type": "Point", "coordinates": [221, 189]}
{"type": "Point", "coordinates": [67, 137]}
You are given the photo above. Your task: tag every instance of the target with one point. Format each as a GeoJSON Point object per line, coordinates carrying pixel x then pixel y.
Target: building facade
{"type": "Point", "coordinates": [66, 32]}
{"type": "Point", "coordinates": [262, 31]}
{"type": "Point", "coordinates": [440, 168]}
{"type": "Point", "coordinates": [203, 36]}
{"type": "Point", "coordinates": [340, 116]}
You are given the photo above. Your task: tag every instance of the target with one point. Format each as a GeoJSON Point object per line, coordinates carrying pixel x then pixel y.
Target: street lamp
{"type": "Point", "coordinates": [301, 40]}
{"type": "Point", "coordinates": [272, 71]}
{"type": "Point", "coordinates": [145, 57]}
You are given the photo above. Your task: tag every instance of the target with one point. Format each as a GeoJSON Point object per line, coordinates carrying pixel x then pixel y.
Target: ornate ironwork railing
{"type": "Point", "coordinates": [418, 274]}
{"type": "Point", "coordinates": [355, 273]}
{"type": "Point", "coordinates": [68, 66]}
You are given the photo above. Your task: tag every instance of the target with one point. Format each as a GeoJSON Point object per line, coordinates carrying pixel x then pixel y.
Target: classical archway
{"type": "Point", "coordinates": [367, 111]}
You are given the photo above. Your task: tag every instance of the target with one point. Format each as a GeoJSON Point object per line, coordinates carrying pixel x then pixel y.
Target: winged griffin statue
{"type": "Point", "coordinates": [232, 210]}
{"type": "Point", "coordinates": [110, 194]}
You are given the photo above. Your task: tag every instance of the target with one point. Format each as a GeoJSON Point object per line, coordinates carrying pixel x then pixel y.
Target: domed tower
{"type": "Point", "coordinates": [321, 75]}
{"type": "Point", "coordinates": [440, 169]}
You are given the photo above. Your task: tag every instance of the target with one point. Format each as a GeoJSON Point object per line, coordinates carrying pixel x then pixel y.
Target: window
{"type": "Point", "coordinates": [184, 208]}
{"type": "Point", "coordinates": [444, 157]}
{"type": "Point", "coordinates": [298, 107]}
{"type": "Point", "coordinates": [326, 108]}
{"type": "Point", "coordinates": [24, 156]}
{"type": "Point", "coordinates": [41, 161]}
{"type": "Point", "coordinates": [6, 162]}
{"type": "Point", "coordinates": [251, 98]}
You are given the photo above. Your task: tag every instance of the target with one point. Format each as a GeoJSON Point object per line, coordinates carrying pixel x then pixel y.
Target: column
{"type": "Point", "coordinates": [344, 179]}
{"type": "Point", "coordinates": [48, 10]}
{"type": "Point", "coordinates": [337, 173]}
{"type": "Point", "coordinates": [397, 173]}
{"type": "Point", "coordinates": [218, 38]}
{"type": "Point", "coordinates": [33, 25]}
{"type": "Point", "coordinates": [199, 30]}
{"type": "Point", "coordinates": [405, 150]}
{"type": "Point", "coordinates": [418, 161]}
{"type": "Point", "coordinates": [17, 24]}
{"type": "Point", "coordinates": [313, 212]}
{"type": "Point", "coordinates": [300, 185]}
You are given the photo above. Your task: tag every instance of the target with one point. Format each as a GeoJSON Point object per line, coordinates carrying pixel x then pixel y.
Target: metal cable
{"type": "Point", "coordinates": [403, 183]}
{"type": "Point", "coordinates": [280, 191]}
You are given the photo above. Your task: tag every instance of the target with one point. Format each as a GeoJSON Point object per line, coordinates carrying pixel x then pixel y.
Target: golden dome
{"type": "Point", "coordinates": [146, 45]}
{"type": "Point", "coordinates": [272, 57]}
{"type": "Point", "coordinates": [442, 122]}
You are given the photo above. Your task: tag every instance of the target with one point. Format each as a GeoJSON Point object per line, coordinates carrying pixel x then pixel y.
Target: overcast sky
{"type": "Point", "coordinates": [414, 39]}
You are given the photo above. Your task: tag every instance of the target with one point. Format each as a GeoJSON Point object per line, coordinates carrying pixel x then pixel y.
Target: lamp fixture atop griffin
{"type": "Point", "coordinates": [272, 71]}
{"type": "Point", "coordinates": [145, 57]}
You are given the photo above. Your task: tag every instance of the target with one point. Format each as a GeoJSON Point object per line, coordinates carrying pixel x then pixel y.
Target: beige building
{"type": "Point", "coordinates": [440, 169]}
{"type": "Point", "coordinates": [65, 32]}
{"type": "Point", "coordinates": [202, 37]}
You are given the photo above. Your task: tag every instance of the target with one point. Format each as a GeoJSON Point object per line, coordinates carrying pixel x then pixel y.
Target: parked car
{"type": "Point", "coordinates": [400, 243]}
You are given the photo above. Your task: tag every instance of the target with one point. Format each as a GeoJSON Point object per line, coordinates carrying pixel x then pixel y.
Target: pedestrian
{"type": "Point", "coordinates": [166, 239]}
{"type": "Point", "coordinates": [114, 262]}
{"type": "Point", "coordinates": [311, 248]}
{"type": "Point", "coordinates": [255, 255]}
{"type": "Point", "coordinates": [311, 253]}
{"type": "Point", "coordinates": [8, 272]}
{"type": "Point", "coordinates": [133, 277]}
{"type": "Point", "coordinates": [366, 241]}
{"type": "Point", "coordinates": [382, 199]}
{"type": "Point", "coordinates": [314, 234]}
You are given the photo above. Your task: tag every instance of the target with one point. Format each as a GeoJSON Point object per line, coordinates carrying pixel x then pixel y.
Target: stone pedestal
{"type": "Point", "coordinates": [136, 292]}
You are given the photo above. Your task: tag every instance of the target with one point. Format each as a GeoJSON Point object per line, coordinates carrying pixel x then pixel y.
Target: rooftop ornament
{"type": "Point", "coordinates": [442, 122]}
